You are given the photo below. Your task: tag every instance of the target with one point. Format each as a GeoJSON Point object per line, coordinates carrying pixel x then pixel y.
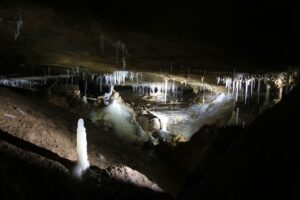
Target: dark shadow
{"type": "Point", "coordinates": [36, 149]}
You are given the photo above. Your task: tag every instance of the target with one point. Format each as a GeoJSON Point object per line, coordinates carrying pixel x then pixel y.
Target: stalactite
{"type": "Point", "coordinates": [19, 24]}
{"type": "Point", "coordinates": [247, 83]}
{"type": "Point", "coordinates": [237, 91]}
{"type": "Point", "coordinates": [100, 83]}
{"type": "Point", "coordinates": [251, 86]}
{"type": "Point", "coordinates": [258, 90]}
{"type": "Point", "coordinates": [16, 83]}
{"type": "Point", "coordinates": [267, 92]}
{"type": "Point", "coordinates": [173, 87]}
{"type": "Point", "coordinates": [166, 90]}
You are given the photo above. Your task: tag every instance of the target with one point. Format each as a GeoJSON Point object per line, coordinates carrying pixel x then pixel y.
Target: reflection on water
{"type": "Point", "coordinates": [144, 107]}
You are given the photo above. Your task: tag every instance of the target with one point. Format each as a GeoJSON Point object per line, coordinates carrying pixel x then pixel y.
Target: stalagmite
{"type": "Point", "coordinates": [81, 150]}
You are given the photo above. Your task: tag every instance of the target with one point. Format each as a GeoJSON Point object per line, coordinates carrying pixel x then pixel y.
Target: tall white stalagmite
{"type": "Point", "coordinates": [81, 150]}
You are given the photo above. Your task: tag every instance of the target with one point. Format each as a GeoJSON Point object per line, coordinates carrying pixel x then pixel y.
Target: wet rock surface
{"type": "Point", "coordinates": [149, 122]}
{"type": "Point", "coordinates": [261, 161]}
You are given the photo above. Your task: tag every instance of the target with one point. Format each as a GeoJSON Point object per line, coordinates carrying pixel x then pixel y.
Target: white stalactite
{"type": "Point", "coordinates": [267, 92]}
{"type": "Point", "coordinates": [252, 81]}
{"type": "Point", "coordinates": [173, 87]}
{"type": "Point", "coordinates": [100, 83]}
{"type": "Point", "coordinates": [258, 90]}
{"type": "Point", "coordinates": [247, 83]}
{"type": "Point", "coordinates": [166, 90]}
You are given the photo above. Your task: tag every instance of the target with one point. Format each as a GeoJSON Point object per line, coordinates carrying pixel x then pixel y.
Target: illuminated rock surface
{"type": "Point", "coordinates": [178, 99]}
